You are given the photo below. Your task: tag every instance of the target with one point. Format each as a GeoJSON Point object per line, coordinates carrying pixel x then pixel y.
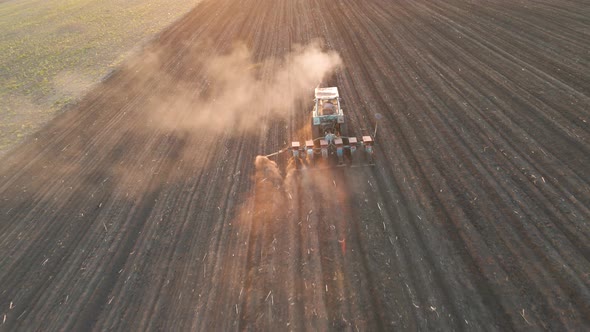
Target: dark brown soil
{"type": "Point", "coordinates": [475, 217]}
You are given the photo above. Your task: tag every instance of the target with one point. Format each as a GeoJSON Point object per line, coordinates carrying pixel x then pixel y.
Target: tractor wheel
{"type": "Point", "coordinates": [343, 130]}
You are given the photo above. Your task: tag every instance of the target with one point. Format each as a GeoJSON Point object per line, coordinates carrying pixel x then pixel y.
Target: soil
{"type": "Point", "coordinates": [474, 217]}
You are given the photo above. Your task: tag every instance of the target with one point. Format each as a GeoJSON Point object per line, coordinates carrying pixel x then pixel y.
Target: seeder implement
{"type": "Point", "coordinates": [334, 151]}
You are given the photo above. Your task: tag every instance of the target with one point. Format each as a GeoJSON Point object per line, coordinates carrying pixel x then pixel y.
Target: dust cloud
{"type": "Point", "coordinates": [240, 93]}
{"type": "Point", "coordinates": [274, 189]}
{"type": "Point", "coordinates": [267, 169]}
{"type": "Point", "coordinates": [269, 204]}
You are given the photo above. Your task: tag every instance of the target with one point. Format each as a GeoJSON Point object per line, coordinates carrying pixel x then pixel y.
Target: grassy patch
{"type": "Point", "coordinates": [53, 51]}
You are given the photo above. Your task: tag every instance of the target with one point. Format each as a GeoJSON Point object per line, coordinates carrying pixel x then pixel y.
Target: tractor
{"type": "Point", "coordinates": [330, 143]}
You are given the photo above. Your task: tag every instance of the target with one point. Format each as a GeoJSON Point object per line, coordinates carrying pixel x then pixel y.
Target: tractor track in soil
{"type": "Point", "coordinates": [474, 217]}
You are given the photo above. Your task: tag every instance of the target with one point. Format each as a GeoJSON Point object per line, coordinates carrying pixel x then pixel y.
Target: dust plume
{"type": "Point", "coordinates": [240, 93]}
{"type": "Point", "coordinates": [267, 204]}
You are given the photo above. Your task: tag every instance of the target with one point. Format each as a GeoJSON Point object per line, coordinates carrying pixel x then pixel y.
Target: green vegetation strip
{"type": "Point", "coordinates": [52, 51]}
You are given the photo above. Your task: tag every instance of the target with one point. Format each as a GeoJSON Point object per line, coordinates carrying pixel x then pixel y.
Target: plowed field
{"type": "Point", "coordinates": [127, 214]}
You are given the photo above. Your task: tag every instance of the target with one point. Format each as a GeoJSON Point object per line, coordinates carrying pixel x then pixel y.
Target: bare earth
{"type": "Point", "coordinates": [475, 217]}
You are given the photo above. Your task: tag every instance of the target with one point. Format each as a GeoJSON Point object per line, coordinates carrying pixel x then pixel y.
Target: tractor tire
{"type": "Point", "coordinates": [343, 130]}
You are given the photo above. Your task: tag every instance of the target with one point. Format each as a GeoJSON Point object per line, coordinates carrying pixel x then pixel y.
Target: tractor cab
{"type": "Point", "coordinates": [327, 106]}
{"type": "Point", "coordinates": [327, 115]}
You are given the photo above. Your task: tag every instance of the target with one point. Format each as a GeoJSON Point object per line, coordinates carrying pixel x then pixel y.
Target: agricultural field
{"type": "Point", "coordinates": [153, 203]}
{"type": "Point", "coordinates": [52, 52]}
